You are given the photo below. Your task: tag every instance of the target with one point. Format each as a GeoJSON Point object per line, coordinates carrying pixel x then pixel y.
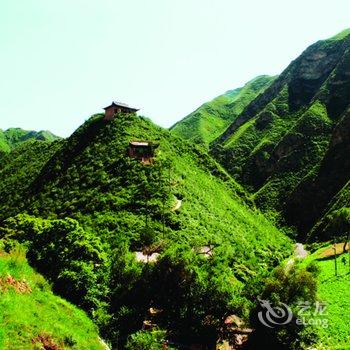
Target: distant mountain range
{"type": "Point", "coordinates": [13, 137]}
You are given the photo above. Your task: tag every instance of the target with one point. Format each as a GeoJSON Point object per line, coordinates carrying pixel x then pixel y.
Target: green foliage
{"type": "Point", "coordinates": [18, 170]}
{"type": "Point", "coordinates": [204, 290]}
{"type": "Point", "coordinates": [141, 340]}
{"type": "Point", "coordinates": [86, 211]}
{"type": "Point", "coordinates": [70, 257]}
{"type": "Point", "coordinates": [288, 284]}
{"type": "Point", "coordinates": [335, 224]}
{"type": "Point", "coordinates": [340, 36]}
{"type": "Point", "coordinates": [334, 292]}
{"type": "Point", "coordinates": [26, 315]}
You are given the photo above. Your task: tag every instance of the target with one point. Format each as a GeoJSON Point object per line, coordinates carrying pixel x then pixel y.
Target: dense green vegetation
{"type": "Point", "coordinates": [288, 284]}
{"type": "Point", "coordinates": [290, 145]}
{"type": "Point", "coordinates": [118, 206]}
{"type": "Point", "coordinates": [18, 169]}
{"type": "Point", "coordinates": [13, 137]}
{"type": "Point", "coordinates": [207, 122]}
{"type": "Point", "coordinates": [31, 316]}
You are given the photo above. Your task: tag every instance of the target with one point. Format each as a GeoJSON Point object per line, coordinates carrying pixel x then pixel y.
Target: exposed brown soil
{"type": "Point", "coordinates": [8, 281]}
{"type": "Point", "coordinates": [337, 249]}
{"type": "Point", "coordinates": [47, 342]}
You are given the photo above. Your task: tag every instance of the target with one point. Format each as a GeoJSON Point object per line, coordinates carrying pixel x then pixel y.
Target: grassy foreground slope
{"type": "Point", "coordinates": [290, 145]}
{"type": "Point", "coordinates": [207, 122]}
{"type": "Point", "coordinates": [32, 317]}
{"type": "Point", "coordinates": [179, 205]}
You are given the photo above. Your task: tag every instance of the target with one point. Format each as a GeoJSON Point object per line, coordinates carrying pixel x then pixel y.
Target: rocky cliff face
{"type": "Point", "coordinates": [290, 145]}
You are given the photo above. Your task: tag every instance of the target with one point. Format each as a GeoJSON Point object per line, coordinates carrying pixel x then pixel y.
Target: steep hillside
{"type": "Point", "coordinates": [11, 138]}
{"type": "Point", "coordinates": [212, 118]}
{"type": "Point", "coordinates": [31, 316]}
{"type": "Point", "coordinates": [19, 168]}
{"type": "Point", "coordinates": [183, 215]}
{"type": "Point", "coordinates": [290, 145]}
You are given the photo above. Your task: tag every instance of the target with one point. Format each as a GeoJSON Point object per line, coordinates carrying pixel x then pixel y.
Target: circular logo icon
{"type": "Point", "coordinates": [273, 316]}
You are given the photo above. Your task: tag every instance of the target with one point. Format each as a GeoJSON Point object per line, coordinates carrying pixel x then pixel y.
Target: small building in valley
{"type": "Point", "coordinates": [117, 107]}
{"type": "Point", "coordinates": [141, 150]}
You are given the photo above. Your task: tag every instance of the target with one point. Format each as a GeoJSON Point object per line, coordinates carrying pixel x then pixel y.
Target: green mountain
{"type": "Point", "coordinates": [31, 316]}
{"type": "Point", "coordinates": [212, 118]}
{"type": "Point", "coordinates": [172, 243]}
{"type": "Point", "coordinates": [290, 145]}
{"type": "Point", "coordinates": [13, 137]}
{"type": "Point", "coordinates": [96, 216]}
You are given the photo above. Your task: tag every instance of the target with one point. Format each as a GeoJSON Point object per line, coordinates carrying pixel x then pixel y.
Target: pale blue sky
{"type": "Point", "coordinates": [62, 61]}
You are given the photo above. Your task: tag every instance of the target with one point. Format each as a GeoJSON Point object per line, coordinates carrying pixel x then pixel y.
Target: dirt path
{"type": "Point", "coordinates": [299, 253]}
{"type": "Point", "coordinates": [177, 205]}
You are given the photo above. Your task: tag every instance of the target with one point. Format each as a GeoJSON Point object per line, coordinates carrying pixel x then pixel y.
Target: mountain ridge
{"type": "Point", "coordinates": [284, 135]}
{"type": "Point", "coordinates": [211, 118]}
{"type": "Point", "coordinates": [12, 137]}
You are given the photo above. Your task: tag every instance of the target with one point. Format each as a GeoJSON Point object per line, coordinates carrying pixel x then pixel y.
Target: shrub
{"type": "Point", "coordinates": [142, 340]}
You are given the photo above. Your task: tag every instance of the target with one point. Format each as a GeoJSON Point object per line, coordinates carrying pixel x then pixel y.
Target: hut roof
{"type": "Point", "coordinates": [121, 104]}
{"type": "Point", "coordinates": [139, 143]}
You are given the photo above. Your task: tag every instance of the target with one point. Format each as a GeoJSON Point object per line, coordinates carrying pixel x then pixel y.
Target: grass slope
{"type": "Point", "coordinates": [208, 121]}
{"type": "Point", "coordinates": [334, 291]}
{"type": "Point", "coordinates": [31, 314]}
